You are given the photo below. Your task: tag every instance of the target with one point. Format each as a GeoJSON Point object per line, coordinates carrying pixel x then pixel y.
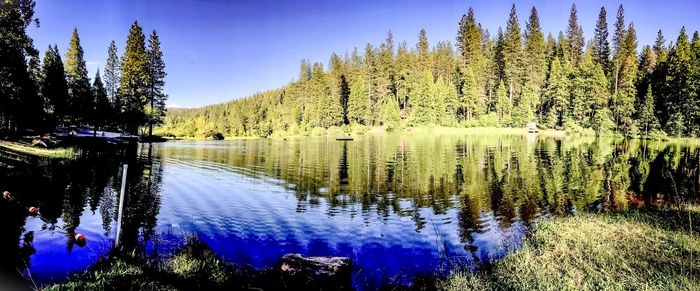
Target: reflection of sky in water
{"type": "Point", "coordinates": [53, 260]}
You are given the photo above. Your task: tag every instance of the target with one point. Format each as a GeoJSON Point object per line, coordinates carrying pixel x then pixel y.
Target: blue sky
{"type": "Point", "coordinates": [218, 50]}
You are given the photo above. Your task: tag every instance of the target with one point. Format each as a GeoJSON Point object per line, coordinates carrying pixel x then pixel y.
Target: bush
{"type": "Point", "coordinates": [489, 120]}
{"type": "Point", "coordinates": [574, 129]}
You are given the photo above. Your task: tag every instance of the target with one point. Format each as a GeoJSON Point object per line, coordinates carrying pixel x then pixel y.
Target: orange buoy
{"type": "Point", "coordinates": [6, 194]}
{"type": "Point", "coordinates": [79, 238]}
{"type": "Point", "coordinates": [33, 210]}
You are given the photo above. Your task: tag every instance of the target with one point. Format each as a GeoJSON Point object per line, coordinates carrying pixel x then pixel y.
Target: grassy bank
{"type": "Point", "coordinates": [28, 149]}
{"type": "Point", "coordinates": [647, 250]}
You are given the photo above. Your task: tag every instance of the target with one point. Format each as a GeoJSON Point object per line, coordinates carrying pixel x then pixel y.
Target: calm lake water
{"type": "Point", "coordinates": [398, 205]}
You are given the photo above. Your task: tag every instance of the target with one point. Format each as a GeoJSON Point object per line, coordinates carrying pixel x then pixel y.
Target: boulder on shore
{"type": "Point", "coordinates": [329, 273]}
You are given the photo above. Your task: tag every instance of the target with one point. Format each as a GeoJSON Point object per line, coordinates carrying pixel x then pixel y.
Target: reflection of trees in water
{"type": "Point", "coordinates": [142, 202]}
{"type": "Point", "coordinates": [506, 175]}
{"type": "Point", "coordinates": [64, 189]}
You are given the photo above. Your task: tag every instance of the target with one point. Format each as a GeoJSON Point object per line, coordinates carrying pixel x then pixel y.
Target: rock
{"type": "Point", "coordinates": [328, 273]}
{"type": "Point", "coordinates": [37, 142]}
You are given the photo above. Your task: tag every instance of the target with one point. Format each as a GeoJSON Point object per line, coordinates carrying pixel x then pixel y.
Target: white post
{"type": "Point", "coordinates": [121, 207]}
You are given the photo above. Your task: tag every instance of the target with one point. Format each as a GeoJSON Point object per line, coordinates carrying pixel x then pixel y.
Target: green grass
{"type": "Point", "coordinates": [28, 149]}
{"type": "Point", "coordinates": [194, 267]}
{"type": "Point", "coordinates": [640, 250]}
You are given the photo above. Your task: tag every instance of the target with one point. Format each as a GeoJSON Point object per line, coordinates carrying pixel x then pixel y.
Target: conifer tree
{"type": "Point", "coordinates": [574, 35]}
{"type": "Point", "coordinates": [111, 76]}
{"type": "Point", "coordinates": [134, 83]}
{"type": "Point", "coordinates": [679, 86]}
{"type": "Point", "coordinates": [423, 48]}
{"type": "Point", "coordinates": [469, 101]}
{"type": "Point", "coordinates": [156, 98]}
{"type": "Point", "coordinates": [512, 55]}
{"type": "Point", "coordinates": [358, 102]}
{"type": "Point", "coordinates": [469, 42]}
{"type": "Point", "coordinates": [535, 54]}
{"type": "Point", "coordinates": [53, 86]}
{"type": "Point", "coordinates": [601, 46]}
{"type": "Point", "coordinates": [79, 87]}
{"type": "Point", "coordinates": [423, 101]}
{"type": "Point", "coordinates": [557, 92]}
{"type": "Point", "coordinates": [20, 105]}
{"type": "Point", "coordinates": [101, 106]}
{"type": "Point", "coordinates": [647, 115]}
{"type": "Point", "coordinates": [503, 105]}
{"type": "Point", "coordinates": [624, 98]}
{"type": "Point", "coordinates": [618, 46]}
{"type": "Point", "coordinates": [391, 115]}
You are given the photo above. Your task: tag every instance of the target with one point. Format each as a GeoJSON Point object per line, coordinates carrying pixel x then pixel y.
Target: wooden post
{"type": "Point", "coordinates": [121, 207]}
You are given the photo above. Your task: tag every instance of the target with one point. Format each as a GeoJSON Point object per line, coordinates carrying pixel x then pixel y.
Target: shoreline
{"type": "Point", "coordinates": [28, 149]}
{"type": "Point", "coordinates": [352, 131]}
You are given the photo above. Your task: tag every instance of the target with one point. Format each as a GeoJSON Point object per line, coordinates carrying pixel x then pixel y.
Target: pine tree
{"type": "Point", "coordinates": [112, 76]}
{"type": "Point", "coordinates": [134, 83]}
{"type": "Point", "coordinates": [78, 82]}
{"type": "Point", "coordinates": [679, 86]}
{"type": "Point", "coordinates": [503, 105]}
{"type": "Point", "coordinates": [536, 64]}
{"type": "Point", "coordinates": [423, 48]}
{"type": "Point", "coordinates": [358, 102]}
{"type": "Point", "coordinates": [423, 101]}
{"type": "Point", "coordinates": [469, 104]}
{"type": "Point", "coordinates": [53, 86]}
{"type": "Point", "coordinates": [647, 115]}
{"type": "Point", "coordinates": [512, 55]}
{"type": "Point", "coordinates": [619, 35]}
{"type": "Point", "coordinates": [557, 92]}
{"type": "Point", "coordinates": [20, 105]}
{"type": "Point", "coordinates": [156, 98]}
{"type": "Point", "coordinates": [469, 42]}
{"type": "Point", "coordinates": [589, 90]}
{"type": "Point", "coordinates": [304, 70]}
{"type": "Point", "coordinates": [445, 102]}
{"type": "Point", "coordinates": [600, 44]}
{"type": "Point", "coordinates": [694, 102]}
{"type": "Point", "coordinates": [391, 115]}
{"type": "Point", "coordinates": [101, 106]}
{"type": "Point", "coordinates": [625, 95]}
{"type": "Point", "coordinates": [574, 35]}
{"type": "Point", "coordinates": [619, 55]}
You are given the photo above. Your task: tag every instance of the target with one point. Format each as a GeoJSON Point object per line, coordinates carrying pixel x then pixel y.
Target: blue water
{"type": "Point", "coordinates": [398, 208]}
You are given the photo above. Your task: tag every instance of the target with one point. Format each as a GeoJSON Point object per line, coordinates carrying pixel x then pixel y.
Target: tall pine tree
{"type": "Point", "coordinates": [601, 46]}
{"type": "Point", "coordinates": [112, 76]}
{"type": "Point", "coordinates": [574, 35]}
{"type": "Point", "coordinates": [53, 86]}
{"type": "Point", "coordinates": [79, 87]}
{"type": "Point", "coordinates": [134, 83]}
{"type": "Point", "coordinates": [156, 98]}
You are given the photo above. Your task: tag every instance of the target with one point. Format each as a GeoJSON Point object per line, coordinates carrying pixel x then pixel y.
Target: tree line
{"type": "Point", "coordinates": [510, 78]}
{"type": "Point", "coordinates": [38, 95]}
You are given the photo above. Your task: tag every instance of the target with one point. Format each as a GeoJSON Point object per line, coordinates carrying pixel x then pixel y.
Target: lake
{"type": "Point", "coordinates": [399, 205]}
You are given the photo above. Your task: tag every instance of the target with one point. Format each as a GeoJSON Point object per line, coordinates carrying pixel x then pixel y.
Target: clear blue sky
{"type": "Point", "coordinates": [217, 50]}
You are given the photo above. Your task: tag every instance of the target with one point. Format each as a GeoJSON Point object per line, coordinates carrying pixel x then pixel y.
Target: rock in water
{"type": "Point", "coordinates": [323, 273]}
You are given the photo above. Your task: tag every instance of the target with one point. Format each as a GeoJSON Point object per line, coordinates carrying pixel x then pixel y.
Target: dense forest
{"type": "Point", "coordinates": [507, 79]}
{"type": "Point", "coordinates": [36, 96]}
